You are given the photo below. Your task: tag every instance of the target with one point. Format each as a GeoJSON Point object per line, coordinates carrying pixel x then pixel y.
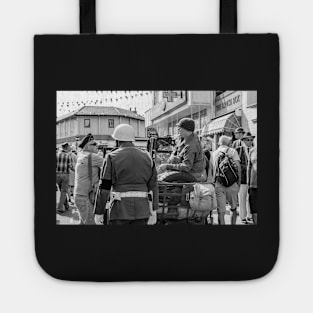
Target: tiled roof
{"type": "Point", "coordinates": [101, 110]}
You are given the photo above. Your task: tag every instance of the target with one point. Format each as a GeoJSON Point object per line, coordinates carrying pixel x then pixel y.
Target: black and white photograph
{"type": "Point", "coordinates": [242, 65]}
{"type": "Point", "coordinates": [163, 157]}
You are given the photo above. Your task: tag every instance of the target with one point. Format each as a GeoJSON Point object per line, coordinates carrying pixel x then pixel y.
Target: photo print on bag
{"type": "Point", "coordinates": [156, 157]}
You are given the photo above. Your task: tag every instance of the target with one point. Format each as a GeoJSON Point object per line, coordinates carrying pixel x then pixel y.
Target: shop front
{"type": "Point", "coordinates": [171, 106]}
{"type": "Point", "coordinates": [227, 117]}
{"type": "Point", "coordinates": [223, 125]}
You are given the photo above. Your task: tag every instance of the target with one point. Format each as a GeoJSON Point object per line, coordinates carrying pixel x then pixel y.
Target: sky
{"type": "Point", "coordinates": [139, 100]}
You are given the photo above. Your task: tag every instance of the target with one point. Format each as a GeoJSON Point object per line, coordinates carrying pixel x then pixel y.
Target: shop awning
{"type": "Point", "coordinates": [226, 123]}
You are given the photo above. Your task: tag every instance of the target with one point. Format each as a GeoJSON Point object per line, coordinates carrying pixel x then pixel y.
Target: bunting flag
{"type": "Point", "coordinates": [70, 101]}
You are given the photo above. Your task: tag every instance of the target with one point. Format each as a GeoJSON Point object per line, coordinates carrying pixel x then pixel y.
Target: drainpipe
{"type": "Point", "coordinates": [213, 103]}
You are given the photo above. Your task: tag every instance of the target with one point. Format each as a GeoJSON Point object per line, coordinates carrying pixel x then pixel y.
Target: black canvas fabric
{"type": "Point", "coordinates": [189, 62]}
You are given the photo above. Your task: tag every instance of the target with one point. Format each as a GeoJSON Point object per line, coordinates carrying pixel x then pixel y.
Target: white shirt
{"type": "Point", "coordinates": [231, 153]}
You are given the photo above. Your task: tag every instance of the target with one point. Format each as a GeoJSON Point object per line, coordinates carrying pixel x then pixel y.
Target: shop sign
{"type": "Point", "coordinates": [228, 104]}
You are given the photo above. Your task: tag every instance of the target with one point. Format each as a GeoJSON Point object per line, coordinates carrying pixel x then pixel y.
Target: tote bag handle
{"type": "Point", "coordinates": [87, 16]}
{"type": "Point", "coordinates": [228, 16]}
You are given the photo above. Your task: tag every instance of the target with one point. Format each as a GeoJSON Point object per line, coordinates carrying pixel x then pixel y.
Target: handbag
{"type": "Point", "coordinates": [203, 198]}
{"type": "Point", "coordinates": [226, 80]}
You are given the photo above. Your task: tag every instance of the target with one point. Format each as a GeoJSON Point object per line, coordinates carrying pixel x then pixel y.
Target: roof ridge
{"type": "Point", "coordinates": [90, 108]}
{"type": "Point", "coordinates": [79, 109]}
{"type": "Point", "coordinates": [117, 110]}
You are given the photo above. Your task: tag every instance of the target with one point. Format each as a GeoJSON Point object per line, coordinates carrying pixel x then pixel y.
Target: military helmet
{"type": "Point", "coordinates": [124, 132]}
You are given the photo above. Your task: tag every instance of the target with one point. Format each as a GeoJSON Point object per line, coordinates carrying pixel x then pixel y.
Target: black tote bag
{"type": "Point", "coordinates": [239, 76]}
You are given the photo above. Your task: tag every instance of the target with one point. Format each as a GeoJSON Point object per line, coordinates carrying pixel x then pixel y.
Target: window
{"type": "Point", "coordinates": [111, 123]}
{"type": "Point", "coordinates": [87, 123]}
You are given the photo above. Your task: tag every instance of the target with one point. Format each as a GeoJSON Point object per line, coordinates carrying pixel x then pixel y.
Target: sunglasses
{"type": "Point", "coordinates": [93, 144]}
{"type": "Point", "coordinates": [248, 139]}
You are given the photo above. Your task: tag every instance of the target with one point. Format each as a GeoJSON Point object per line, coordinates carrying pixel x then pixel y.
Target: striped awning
{"type": "Point", "coordinates": [226, 123]}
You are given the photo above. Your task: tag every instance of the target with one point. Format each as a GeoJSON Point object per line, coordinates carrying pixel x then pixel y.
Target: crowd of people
{"type": "Point", "coordinates": [126, 177]}
{"type": "Point", "coordinates": [72, 175]}
{"type": "Point", "coordinates": [242, 193]}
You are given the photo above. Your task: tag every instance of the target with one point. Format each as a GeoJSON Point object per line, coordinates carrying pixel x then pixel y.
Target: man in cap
{"type": "Point", "coordinates": [130, 174]}
{"type": "Point", "coordinates": [241, 149]}
{"type": "Point", "coordinates": [63, 166]}
{"type": "Point", "coordinates": [253, 183]}
{"type": "Point", "coordinates": [248, 140]}
{"type": "Point", "coordinates": [87, 173]}
{"type": "Point", "coordinates": [188, 155]}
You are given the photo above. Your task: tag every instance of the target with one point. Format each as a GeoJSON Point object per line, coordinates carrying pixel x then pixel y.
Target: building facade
{"type": "Point", "coordinates": [136, 100]}
{"type": "Point", "coordinates": [170, 106]}
{"type": "Point", "coordinates": [232, 109]}
{"type": "Point", "coordinates": [215, 112]}
{"type": "Point", "coordinates": [100, 121]}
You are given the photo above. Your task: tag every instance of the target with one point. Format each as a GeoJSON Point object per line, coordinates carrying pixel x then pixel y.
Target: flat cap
{"type": "Point", "coordinates": [187, 124]}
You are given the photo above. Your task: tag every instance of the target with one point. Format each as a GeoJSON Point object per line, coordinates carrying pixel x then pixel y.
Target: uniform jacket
{"type": "Point", "coordinates": [190, 154]}
{"type": "Point", "coordinates": [82, 180]}
{"type": "Point", "coordinates": [130, 169]}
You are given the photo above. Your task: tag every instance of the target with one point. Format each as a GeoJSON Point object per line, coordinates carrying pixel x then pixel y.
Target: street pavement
{"type": "Point", "coordinates": [71, 217]}
{"type": "Point", "coordinates": [227, 218]}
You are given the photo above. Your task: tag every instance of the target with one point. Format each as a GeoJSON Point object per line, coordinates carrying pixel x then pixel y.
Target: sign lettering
{"type": "Point", "coordinates": [227, 104]}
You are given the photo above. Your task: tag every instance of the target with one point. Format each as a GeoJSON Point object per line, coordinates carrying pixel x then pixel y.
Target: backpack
{"type": "Point", "coordinates": [226, 169]}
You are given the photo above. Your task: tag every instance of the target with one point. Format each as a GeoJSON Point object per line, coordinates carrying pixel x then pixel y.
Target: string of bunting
{"type": "Point", "coordinates": [71, 101]}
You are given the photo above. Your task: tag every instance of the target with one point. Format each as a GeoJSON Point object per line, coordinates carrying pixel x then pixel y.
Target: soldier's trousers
{"type": "Point", "coordinates": [143, 221]}
{"type": "Point", "coordinates": [85, 209]}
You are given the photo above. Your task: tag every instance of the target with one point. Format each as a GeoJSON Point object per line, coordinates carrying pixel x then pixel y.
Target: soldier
{"type": "Point", "coordinates": [131, 174]}
{"type": "Point", "coordinates": [87, 173]}
{"type": "Point", "coordinates": [188, 155]}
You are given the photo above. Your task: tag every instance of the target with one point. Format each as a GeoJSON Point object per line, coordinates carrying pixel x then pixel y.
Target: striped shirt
{"type": "Point", "coordinates": [64, 162]}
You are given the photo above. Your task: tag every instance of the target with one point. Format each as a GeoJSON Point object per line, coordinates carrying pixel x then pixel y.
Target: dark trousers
{"type": "Point", "coordinates": [253, 200]}
{"type": "Point", "coordinates": [129, 222]}
{"type": "Point", "coordinates": [62, 180]}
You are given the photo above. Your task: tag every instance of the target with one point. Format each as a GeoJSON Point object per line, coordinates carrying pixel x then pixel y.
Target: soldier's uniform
{"type": "Point", "coordinates": [190, 156]}
{"type": "Point", "coordinates": [130, 174]}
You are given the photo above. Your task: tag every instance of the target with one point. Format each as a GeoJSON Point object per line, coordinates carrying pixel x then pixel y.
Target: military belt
{"type": "Point", "coordinates": [128, 194]}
